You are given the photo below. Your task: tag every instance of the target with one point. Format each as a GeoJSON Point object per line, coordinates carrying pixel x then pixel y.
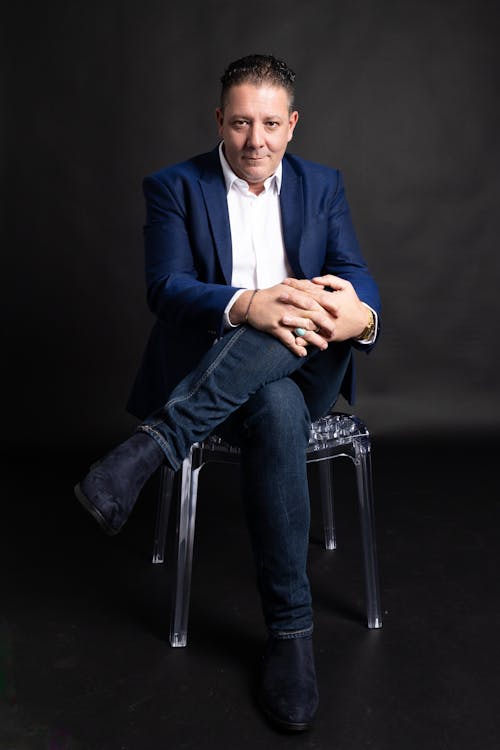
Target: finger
{"type": "Point", "coordinates": [310, 335]}
{"type": "Point", "coordinates": [299, 299]}
{"type": "Point", "coordinates": [300, 341]}
{"type": "Point", "coordinates": [298, 321]}
{"type": "Point", "coordinates": [296, 344]}
{"type": "Point", "coordinates": [315, 321]}
{"type": "Point", "coordinates": [335, 282]}
{"type": "Point", "coordinates": [313, 338]}
{"type": "Point", "coordinates": [303, 284]}
{"type": "Point", "coordinates": [314, 293]}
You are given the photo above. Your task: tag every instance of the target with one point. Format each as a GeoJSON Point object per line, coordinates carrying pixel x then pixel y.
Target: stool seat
{"type": "Point", "coordinates": [336, 434]}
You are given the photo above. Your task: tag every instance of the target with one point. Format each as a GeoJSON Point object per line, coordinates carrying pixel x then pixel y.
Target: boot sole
{"type": "Point", "coordinates": [94, 511]}
{"type": "Point", "coordinates": [282, 724]}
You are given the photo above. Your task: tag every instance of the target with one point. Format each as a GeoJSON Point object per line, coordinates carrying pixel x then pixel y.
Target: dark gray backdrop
{"type": "Point", "coordinates": [402, 95]}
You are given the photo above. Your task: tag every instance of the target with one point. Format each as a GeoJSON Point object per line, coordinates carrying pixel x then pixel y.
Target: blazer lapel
{"type": "Point", "coordinates": [292, 216]}
{"type": "Point", "coordinates": [214, 193]}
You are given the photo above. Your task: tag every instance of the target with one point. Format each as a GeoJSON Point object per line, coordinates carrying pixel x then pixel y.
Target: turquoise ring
{"type": "Point", "coordinates": [300, 331]}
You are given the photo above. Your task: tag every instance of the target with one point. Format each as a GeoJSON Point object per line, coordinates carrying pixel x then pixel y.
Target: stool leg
{"type": "Point", "coordinates": [185, 542]}
{"type": "Point", "coordinates": [326, 488]}
{"type": "Point", "coordinates": [367, 518]}
{"type": "Point", "coordinates": [163, 512]}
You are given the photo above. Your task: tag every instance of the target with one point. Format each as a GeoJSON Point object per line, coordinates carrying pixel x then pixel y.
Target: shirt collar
{"type": "Point", "coordinates": [230, 177]}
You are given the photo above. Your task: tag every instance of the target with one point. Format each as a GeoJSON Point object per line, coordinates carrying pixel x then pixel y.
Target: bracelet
{"type": "Point", "coordinates": [368, 330]}
{"type": "Point", "coordinates": [250, 304]}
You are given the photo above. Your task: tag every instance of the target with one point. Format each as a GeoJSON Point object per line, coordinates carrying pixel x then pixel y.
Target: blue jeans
{"type": "Point", "coordinates": [254, 392]}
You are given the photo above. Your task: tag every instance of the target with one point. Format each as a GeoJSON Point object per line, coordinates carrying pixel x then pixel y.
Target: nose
{"type": "Point", "coordinates": [255, 136]}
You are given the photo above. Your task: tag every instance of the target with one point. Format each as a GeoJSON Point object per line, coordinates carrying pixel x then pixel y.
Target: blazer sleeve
{"type": "Point", "coordinates": [179, 270]}
{"type": "Point", "coordinates": [343, 254]}
{"type": "Point", "coordinates": [344, 257]}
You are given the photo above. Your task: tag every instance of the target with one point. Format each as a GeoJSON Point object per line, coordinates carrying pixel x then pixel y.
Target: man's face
{"type": "Point", "coordinates": [256, 126]}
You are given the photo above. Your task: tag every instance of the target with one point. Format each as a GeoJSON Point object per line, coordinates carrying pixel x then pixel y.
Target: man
{"type": "Point", "coordinates": [260, 291]}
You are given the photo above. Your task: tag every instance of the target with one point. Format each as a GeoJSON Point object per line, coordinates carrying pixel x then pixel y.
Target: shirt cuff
{"type": "Point", "coordinates": [375, 330]}
{"type": "Point", "coordinates": [227, 322]}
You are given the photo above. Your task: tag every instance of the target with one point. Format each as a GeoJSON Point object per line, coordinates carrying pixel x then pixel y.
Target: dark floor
{"type": "Point", "coordinates": [84, 654]}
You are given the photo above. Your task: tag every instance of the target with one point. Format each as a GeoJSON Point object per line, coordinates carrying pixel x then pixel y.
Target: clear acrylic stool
{"type": "Point", "coordinates": [334, 435]}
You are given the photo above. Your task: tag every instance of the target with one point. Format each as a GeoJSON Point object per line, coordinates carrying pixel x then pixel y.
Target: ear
{"type": "Point", "coordinates": [220, 119]}
{"type": "Point", "coordinates": [294, 118]}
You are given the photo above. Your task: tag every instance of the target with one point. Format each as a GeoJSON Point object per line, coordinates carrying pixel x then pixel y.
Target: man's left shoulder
{"type": "Point", "coordinates": [311, 169]}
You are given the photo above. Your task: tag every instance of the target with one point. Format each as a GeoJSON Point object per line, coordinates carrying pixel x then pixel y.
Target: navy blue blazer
{"type": "Point", "coordinates": [189, 260]}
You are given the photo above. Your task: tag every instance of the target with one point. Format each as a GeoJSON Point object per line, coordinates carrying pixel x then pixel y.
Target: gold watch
{"type": "Point", "coordinates": [367, 332]}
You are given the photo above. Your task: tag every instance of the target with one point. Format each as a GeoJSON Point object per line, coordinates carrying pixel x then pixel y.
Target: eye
{"type": "Point", "coordinates": [240, 123]}
{"type": "Point", "coordinates": [272, 124]}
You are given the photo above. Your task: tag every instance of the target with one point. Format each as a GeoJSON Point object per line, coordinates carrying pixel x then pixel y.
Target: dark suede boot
{"type": "Point", "coordinates": [289, 691]}
{"type": "Point", "coordinates": [111, 487]}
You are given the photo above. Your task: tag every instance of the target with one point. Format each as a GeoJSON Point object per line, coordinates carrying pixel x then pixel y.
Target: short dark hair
{"type": "Point", "coordinates": [258, 70]}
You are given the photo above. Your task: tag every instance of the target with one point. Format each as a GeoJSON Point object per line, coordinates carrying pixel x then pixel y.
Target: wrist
{"type": "Point", "coordinates": [239, 310]}
{"type": "Point", "coordinates": [368, 331]}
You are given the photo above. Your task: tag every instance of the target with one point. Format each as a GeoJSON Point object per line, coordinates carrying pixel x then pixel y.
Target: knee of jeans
{"type": "Point", "coordinates": [278, 410]}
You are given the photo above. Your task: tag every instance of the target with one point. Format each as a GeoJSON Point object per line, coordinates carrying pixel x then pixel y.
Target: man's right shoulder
{"type": "Point", "coordinates": [190, 169]}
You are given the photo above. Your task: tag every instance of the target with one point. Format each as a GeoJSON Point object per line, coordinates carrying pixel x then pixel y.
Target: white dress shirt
{"type": "Point", "coordinates": [259, 255]}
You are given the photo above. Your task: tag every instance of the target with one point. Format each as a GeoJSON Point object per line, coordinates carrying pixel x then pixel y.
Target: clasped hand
{"type": "Point", "coordinates": [326, 316]}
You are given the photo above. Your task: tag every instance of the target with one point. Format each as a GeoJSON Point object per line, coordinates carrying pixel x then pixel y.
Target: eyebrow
{"type": "Point", "coordinates": [248, 117]}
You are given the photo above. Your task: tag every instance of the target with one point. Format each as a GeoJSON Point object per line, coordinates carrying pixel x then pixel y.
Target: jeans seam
{"type": "Point", "coordinates": [283, 635]}
{"type": "Point", "coordinates": [150, 428]}
{"type": "Point", "coordinates": [208, 371]}
{"type": "Point", "coordinates": [160, 440]}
